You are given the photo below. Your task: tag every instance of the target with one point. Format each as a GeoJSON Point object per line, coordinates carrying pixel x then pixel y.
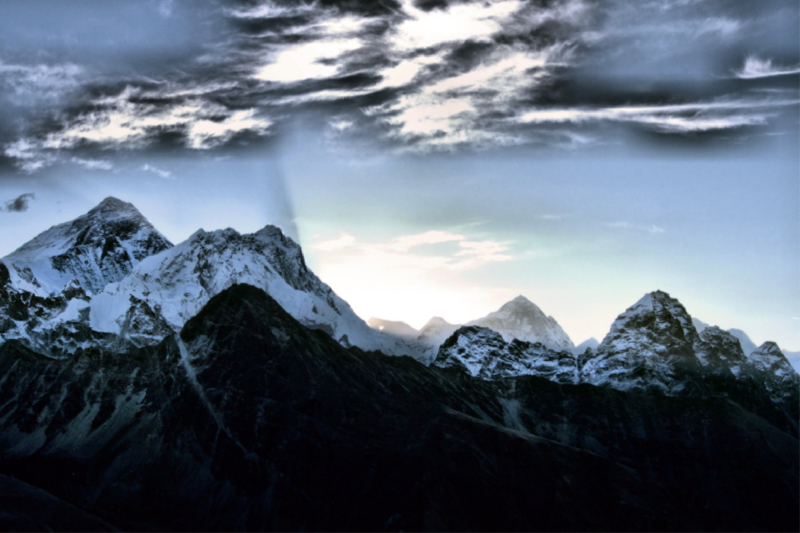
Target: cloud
{"type": "Point", "coordinates": [755, 67]}
{"type": "Point", "coordinates": [458, 23]}
{"type": "Point", "coordinates": [29, 158]}
{"type": "Point", "coordinates": [467, 73]}
{"type": "Point", "coordinates": [127, 121]}
{"type": "Point", "coordinates": [652, 229]}
{"type": "Point", "coordinates": [20, 203]}
{"type": "Point", "coordinates": [166, 174]}
{"type": "Point", "coordinates": [93, 164]}
{"type": "Point", "coordinates": [33, 83]}
{"type": "Point", "coordinates": [131, 120]}
{"type": "Point", "coordinates": [410, 250]}
{"type": "Point", "coordinates": [674, 118]}
{"type": "Point", "coordinates": [307, 61]}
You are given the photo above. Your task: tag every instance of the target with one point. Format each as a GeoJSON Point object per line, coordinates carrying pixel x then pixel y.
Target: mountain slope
{"type": "Point", "coordinates": [251, 421]}
{"type": "Point", "coordinates": [588, 343]}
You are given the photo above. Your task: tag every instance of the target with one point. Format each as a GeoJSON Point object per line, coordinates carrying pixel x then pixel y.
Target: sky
{"type": "Point", "coordinates": [432, 157]}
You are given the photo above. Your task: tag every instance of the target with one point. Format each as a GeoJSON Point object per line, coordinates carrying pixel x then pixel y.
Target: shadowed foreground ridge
{"type": "Point", "coordinates": [252, 421]}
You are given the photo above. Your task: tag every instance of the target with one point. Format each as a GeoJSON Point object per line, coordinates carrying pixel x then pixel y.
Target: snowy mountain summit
{"type": "Point", "coordinates": [521, 319]}
{"type": "Point", "coordinates": [96, 249]}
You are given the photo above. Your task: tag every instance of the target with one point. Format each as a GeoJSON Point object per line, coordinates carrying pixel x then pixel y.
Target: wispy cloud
{"type": "Point", "coordinates": [652, 229]}
{"type": "Point", "coordinates": [755, 67]}
{"type": "Point", "coordinates": [676, 118]}
{"type": "Point", "coordinates": [93, 164]}
{"type": "Point", "coordinates": [33, 83]}
{"type": "Point", "coordinates": [409, 250]}
{"type": "Point", "coordinates": [166, 174]}
{"type": "Point", "coordinates": [28, 155]}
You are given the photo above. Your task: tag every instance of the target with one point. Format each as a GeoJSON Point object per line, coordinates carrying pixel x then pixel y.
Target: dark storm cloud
{"type": "Point", "coordinates": [419, 75]}
{"type": "Point", "coordinates": [20, 203]}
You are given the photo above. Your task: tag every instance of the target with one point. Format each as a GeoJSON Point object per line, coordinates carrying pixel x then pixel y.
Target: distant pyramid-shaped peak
{"type": "Point", "coordinates": [97, 248]}
{"type": "Point", "coordinates": [522, 319]}
{"type": "Point", "coordinates": [436, 322]}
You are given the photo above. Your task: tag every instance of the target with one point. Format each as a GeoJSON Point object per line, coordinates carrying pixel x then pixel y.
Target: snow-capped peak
{"type": "Point", "coordinates": [657, 312]}
{"type": "Point", "coordinates": [97, 248]}
{"type": "Point", "coordinates": [435, 322]}
{"type": "Point", "coordinates": [522, 319]}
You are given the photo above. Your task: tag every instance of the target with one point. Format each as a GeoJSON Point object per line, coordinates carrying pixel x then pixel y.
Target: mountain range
{"type": "Point", "coordinates": [219, 384]}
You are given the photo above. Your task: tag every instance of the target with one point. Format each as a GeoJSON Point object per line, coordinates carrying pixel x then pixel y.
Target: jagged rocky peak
{"type": "Point", "coordinates": [780, 378]}
{"type": "Point", "coordinates": [768, 356]}
{"type": "Point", "coordinates": [650, 346]}
{"type": "Point", "coordinates": [484, 353]}
{"type": "Point", "coordinates": [522, 319]}
{"type": "Point", "coordinates": [657, 314]}
{"type": "Point", "coordinates": [96, 249]}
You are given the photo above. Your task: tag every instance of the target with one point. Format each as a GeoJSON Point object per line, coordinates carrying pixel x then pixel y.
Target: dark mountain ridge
{"type": "Point", "coordinates": [249, 420]}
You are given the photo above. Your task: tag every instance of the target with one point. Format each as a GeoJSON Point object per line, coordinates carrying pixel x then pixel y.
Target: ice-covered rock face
{"type": "Point", "coordinates": [55, 325]}
{"type": "Point", "coordinates": [521, 319]}
{"type": "Point", "coordinates": [96, 249]}
{"type": "Point", "coordinates": [46, 285]}
{"type": "Point", "coordinates": [485, 354]}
